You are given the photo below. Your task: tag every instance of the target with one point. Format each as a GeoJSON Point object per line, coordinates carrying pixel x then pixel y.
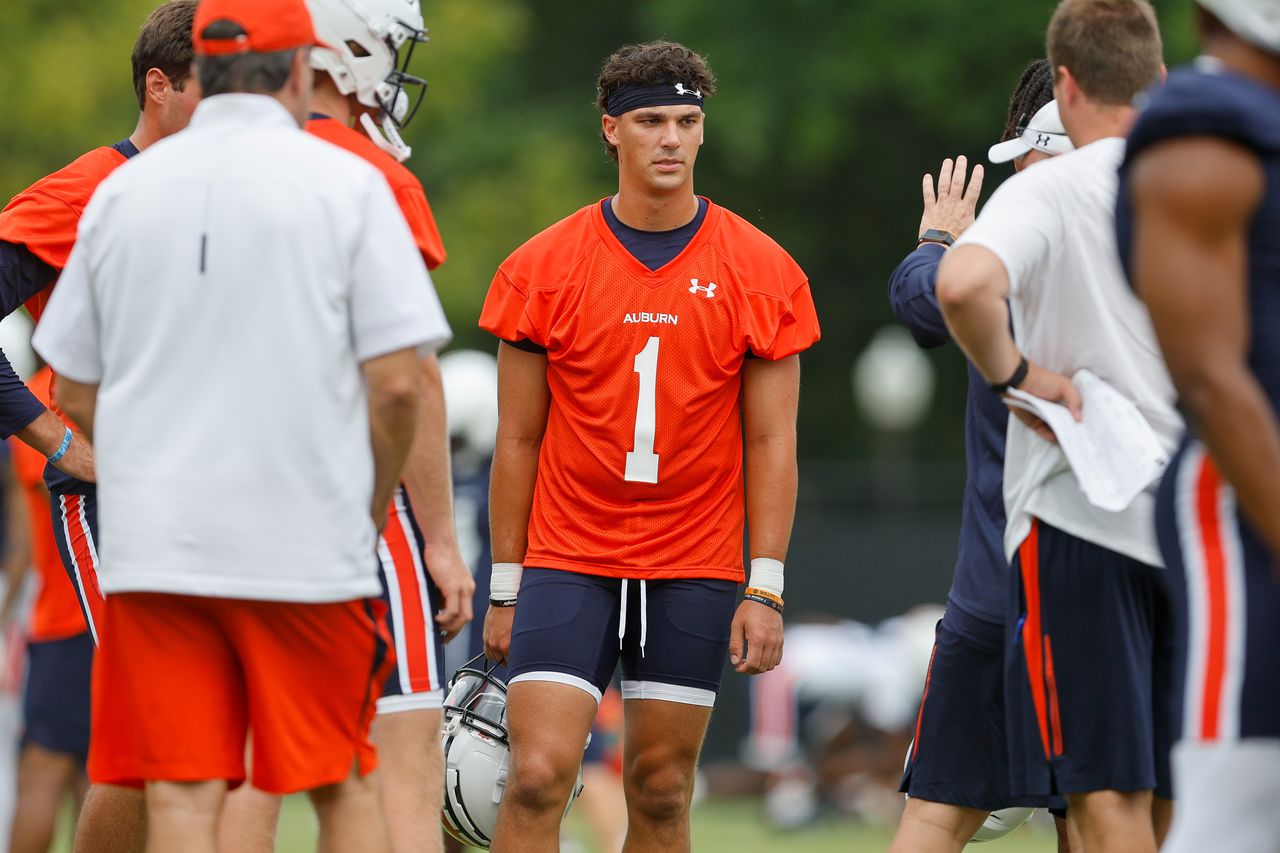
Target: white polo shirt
{"type": "Point", "coordinates": [1053, 228]}
{"type": "Point", "coordinates": [224, 289]}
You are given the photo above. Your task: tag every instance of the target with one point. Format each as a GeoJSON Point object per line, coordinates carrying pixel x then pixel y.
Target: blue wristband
{"type": "Point", "coordinates": [62, 448]}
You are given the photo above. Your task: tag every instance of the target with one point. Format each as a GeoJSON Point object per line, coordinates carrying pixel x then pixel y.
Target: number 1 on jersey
{"type": "Point", "coordinates": [642, 462]}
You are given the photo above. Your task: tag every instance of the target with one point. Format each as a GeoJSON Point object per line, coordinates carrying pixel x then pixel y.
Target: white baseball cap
{"type": "Point", "coordinates": [1043, 133]}
{"type": "Point", "coordinates": [1256, 21]}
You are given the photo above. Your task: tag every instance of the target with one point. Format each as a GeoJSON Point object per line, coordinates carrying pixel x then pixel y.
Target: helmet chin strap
{"type": "Point", "coordinates": [388, 139]}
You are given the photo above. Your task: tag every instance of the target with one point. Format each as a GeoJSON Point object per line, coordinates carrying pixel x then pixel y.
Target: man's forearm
{"type": "Point", "coordinates": [511, 483]}
{"type": "Point", "coordinates": [394, 397]}
{"type": "Point", "coordinates": [427, 474]}
{"type": "Point", "coordinates": [972, 286]}
{"type": "Point", "coordinates": [772, 474]}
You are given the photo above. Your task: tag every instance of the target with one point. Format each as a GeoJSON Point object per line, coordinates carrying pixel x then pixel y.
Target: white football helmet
{"type": "Point", "coordinates": [470, 379]}
{"type": "Point", "coordinates": [477, 754]}
{"type": "Point", "coordinates": [366, 60]}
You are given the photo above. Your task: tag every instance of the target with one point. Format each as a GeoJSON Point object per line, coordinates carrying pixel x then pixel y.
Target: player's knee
{"type": "Point", "coordinates": [540, 782]}
{"type": "Point", "coordinates": [660, 793]}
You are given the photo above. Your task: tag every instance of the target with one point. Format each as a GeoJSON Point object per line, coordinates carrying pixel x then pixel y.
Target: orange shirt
{"type": "Point", "coordinates": [640, 473]}
{"type": "Point", "coordinates": [404, 184]}
{"type": "Point", "coordinates": [56, 614]}
{"type": "Point", "coordinates": [45, 215]}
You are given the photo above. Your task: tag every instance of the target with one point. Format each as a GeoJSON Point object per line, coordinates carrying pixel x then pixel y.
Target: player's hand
{"type": "Point", "coordinates": [451, 577]}
{"type": "Point", "coordinates": [952, 207]}
{"type": "Point", "coordinates": [497, 633]}
{"type": "Point", "coordinates": [755, 638]}
{"type": "Point", "coordinates": [1053, 387]}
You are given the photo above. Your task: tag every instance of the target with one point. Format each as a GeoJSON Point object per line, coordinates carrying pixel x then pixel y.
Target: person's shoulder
{"type": "Point", "coordinates": [545, 259]}
{"type": "Point", "coordinates": [74, 184]}
{"type": "Point", "coordinates": [1207, 100]}
{"type": "Point", "coordinates": [763, 264]}
{"type": "Point", "coordinates": [357, 143]}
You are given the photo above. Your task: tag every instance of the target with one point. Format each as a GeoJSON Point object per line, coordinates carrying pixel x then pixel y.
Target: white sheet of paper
{"type": "Point", "coordinates": [1113, 451]}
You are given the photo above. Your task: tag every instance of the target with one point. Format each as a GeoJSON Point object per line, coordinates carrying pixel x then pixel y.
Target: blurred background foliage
{"type": "Point", "coordinates": [829, 112]}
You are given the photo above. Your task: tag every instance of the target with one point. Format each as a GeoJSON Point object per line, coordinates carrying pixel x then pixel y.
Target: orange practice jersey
{"type": "Point", "coordinates": [640, 473]}
{"type": "Point", "coordinates": [56, 614]}
{"type": "Point", "coordinates": [404, 184]}
{"type": "Point", "coordinates": [44, 217]}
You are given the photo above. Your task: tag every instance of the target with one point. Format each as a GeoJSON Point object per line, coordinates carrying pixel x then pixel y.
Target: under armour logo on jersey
{"type": "Point", "coordinates": [709, 288]}
{"type": "Point", "coordinates": [681, 90]}
{"type": "Point", "coordinates": [1042, 140]}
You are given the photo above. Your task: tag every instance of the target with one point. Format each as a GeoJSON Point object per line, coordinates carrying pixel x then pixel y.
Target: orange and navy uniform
{"type": "Point", "coordinates": [37, 230]}
{"type": "Point", "coordinates": [56, 614]}
{"type": "Point", "coordinates": [405, 186]}
{"type": "Point", "coordinates": [412, 599]}
{"type": "Point", "coordinates": [640, 473]}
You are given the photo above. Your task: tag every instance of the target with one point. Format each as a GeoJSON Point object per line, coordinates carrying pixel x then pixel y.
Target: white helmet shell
{"type": "Point", "coordinates": [366, 36]}
{"type": "Point", "coordinates": [1255, 21]}
{"type": "Point", "coordinates": [1001, 822]}
{"type": "Point", "coordinates": [470, 379]}
{"type": "Point", "coordinates": [477, 755]}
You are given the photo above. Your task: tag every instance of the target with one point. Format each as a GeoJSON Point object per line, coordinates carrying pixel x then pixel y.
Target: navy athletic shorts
{"type": "Point", "coordinates": [416, 681]}
{"type": "Point", "coordinates": [55, 703]}
{"type": "Point", "coordinates": [1226, 605]}
{"type": "Point", "coordinates": [674, 638]}
{"type": "Point", "coordinates": [959, 755]}
{"type": "Point", "coordinates": [1088, 669]}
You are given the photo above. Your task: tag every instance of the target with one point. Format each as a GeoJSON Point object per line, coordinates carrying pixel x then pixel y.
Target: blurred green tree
{"type": "Point", "coordinates": [828, 113]}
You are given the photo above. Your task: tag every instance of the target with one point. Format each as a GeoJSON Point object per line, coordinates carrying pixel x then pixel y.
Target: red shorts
{"type": "Point", "coordinates": [180, 681]}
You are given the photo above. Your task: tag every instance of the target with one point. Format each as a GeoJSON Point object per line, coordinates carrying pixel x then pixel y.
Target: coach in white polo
{"type": "Point", "coordinates": [239, 327]}
{"type": "Point", "coordinates": [1086, 660]}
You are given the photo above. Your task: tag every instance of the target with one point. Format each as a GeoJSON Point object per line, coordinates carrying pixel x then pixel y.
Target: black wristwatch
{"type": "Point", "coordinates": [937, 235]}
{"type": "Point", "coordinates": [1018, 377]}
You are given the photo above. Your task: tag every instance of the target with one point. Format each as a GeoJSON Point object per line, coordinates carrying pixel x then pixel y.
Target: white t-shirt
{"type": "Point", "coordinates": [1053, 228]}
{"type": "Point", "coordinates": [224, 289]}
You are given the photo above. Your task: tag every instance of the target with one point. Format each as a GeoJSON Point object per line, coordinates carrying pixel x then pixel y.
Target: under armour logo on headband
{"type": "Point", "coordinates": [634, 96]}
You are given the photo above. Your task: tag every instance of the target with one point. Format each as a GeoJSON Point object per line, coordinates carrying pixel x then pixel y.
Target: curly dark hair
{"type": "Point", "coordinates": [649, 63]}
{"type": "Point", "coordinates": [1034, 90]}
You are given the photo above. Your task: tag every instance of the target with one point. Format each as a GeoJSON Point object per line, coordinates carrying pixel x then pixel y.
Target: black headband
{"type": "Point", "coordinates": [634, 96]}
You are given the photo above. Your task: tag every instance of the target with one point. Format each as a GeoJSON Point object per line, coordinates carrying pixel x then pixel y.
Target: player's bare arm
{"type": "Point", "coordinates": [973, 285]}
{"type": "Point", "coordinates": [430, 486]}
{"type": "Point", "coordinates": [524, 400]}
{"type": "Point", "coordinates": [80, 401]}
{"type": "Point", "coordinates": [770, 401]}
{"type": "Point", "coordinates": [395, 392]}
{"type": "Point", "coordinates": [46, 434]}
{"type": "Point", "coordinates": [1194, 199]}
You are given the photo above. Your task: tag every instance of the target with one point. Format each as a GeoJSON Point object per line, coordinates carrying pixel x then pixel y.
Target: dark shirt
{"type": "Point", "coordinates": [1203, 101]}
{"type": "Point", "coordinates": [653, 248]}
{"type": "Point", "coordinates": [979, 589]}
{"type": "Point", "coordinates": [22, 275]}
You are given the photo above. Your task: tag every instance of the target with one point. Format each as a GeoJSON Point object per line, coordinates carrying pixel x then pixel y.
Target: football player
{"type": "Point", "coordinates": [426, 585]}
{"type": "Point", "coordinates": [1199, 217]}
{"type": "Point", "coordinates": [649, 360]}
{"type": "Point", "coordinates": [37, 231]}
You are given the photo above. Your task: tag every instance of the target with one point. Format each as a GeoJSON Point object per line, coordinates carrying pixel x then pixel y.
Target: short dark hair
{"type": "Point", "coordinates": [648, 63]}
{"type": "Point", "coordinates": [259, 73]}
{"type": "Point", "coordinates": [1034, 90]}
{"type": "Point", "coordinates": [164, 42]}
{"type": "Point", "coordinates": [1111, 47]}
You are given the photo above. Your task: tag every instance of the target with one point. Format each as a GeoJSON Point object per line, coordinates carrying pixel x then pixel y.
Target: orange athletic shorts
{"type": "Point", "coordinates": [180, 681]}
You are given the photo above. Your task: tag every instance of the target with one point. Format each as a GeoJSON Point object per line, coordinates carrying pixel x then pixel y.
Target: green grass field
{"type": "Point", "coordinates": [731, 826]}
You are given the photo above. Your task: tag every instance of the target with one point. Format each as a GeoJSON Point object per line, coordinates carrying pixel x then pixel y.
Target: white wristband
{"type": "Point", "coordinates": [766, 574]}
{"type": "Point", "coordinates": [504, 584]}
